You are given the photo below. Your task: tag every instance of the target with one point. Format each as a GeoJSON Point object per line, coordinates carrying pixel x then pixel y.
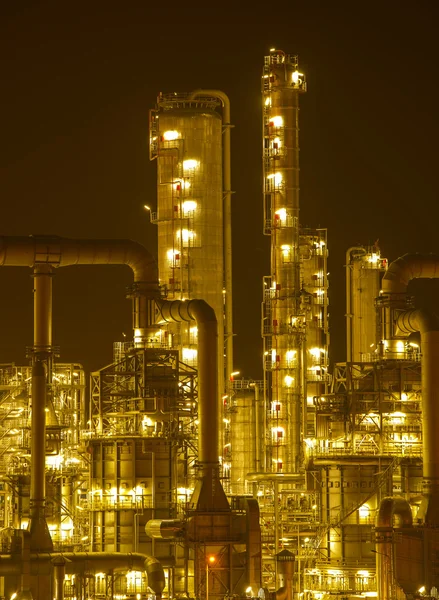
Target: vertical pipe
{"type": "Point", "coordinates": [42, 308]}
{"type": "Point", "coordinates": [59, 571]}
{"type": "Point", "coordinates": [39, 532]}
{"type": "Point", "coordinates": [430, 419]}
{"type": "Point", "coordinates": [257, 432]}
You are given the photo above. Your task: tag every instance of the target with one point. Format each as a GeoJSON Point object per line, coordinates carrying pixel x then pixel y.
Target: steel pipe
{"type": "Point", "coordinates": [410, 266]}
{"type": "Point", "coordinates": [204, 315]}
{"type": "Point", "coordinates": [385, 559]}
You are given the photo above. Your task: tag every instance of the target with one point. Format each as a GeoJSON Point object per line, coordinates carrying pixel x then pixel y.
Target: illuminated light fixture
{"type": "Point", "coordinates": [146, 207]}
{"type": "Point", "coordinates": [168, 136]}
{"type": "Point", "coordinates": [400, 346]}
{"type": "Point", "coordinates": [273, 355]}
{"type": "Point", "coordinates": [173, 254]}
{"type": "Point", "coordinates": [413, 345]}
{"type": "Point", "coordinates": [364, 511]}
{"type": "Point", "coordinates": [190, 164]}
{"type": "Point", "coordinates": [211, 559]}
{"type": "Point", "coordinates": [186, 235]}
{"type": "Point", "coordinates": [277, 178]}
{"type": "Point", "coordinates": [297, 76]}
{"type": "Point", "coordinates": [277, 121]}
{"type": "Point", "coordinates": [373, 258]}
{"type": "Point", "coordinates": [316, 352]}
{"type": "Point", "coordinates": [193, 330]}
{"type": "Point", "coordinates": [290, 355]}
{"type": "Point", "coordinates": [277, 142]}
{"type": "Point", "coordinates": [363, 573]}
{"type": "Point", "coordinates": [421, 589]}
{"type": "Point", "coordinates": [249, 592]}
{"type": "Point", "coordinates": [189, 354]}
{"type": "Point", "coordinates": [288, 380]}
{"type": "Point", "coordinates": [281, 214]}
{"type": "Point", "coordinates": [404, 396]}
{"type": "Point", "coordinates": [268, 101]}
{"type": "Point", "coordinates": [14, 595]}
{"type": "Point", "coordinates": [189, 206]}
{"type": "Point", "coordinates": [183, 184]}
{"type": "Point", "coordinates": [272, 49]}
{"type": "Point", "coordinates": [277, 432]}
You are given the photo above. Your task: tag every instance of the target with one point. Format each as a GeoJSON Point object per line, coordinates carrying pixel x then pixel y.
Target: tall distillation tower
{"type": "Point", "coordinates": [186, 140]}
{"type": "Point", "coordinates": [294, 325]}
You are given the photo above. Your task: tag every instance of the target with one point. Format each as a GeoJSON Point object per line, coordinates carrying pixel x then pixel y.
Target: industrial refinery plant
{"type": "Point", "coordinates": [167, 475]}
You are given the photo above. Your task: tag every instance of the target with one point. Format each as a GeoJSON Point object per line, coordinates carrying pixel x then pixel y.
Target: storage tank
{"type": "Point", "coordinates": [186, 140]}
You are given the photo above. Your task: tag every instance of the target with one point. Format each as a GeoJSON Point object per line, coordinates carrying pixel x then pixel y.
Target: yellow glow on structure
{"type": "Point", "coordinates": [277, 121]}
{"type": "Point", "coordinates": [189, 354]}
{"type": "Point", "coordinates": [278, 178]}
{"type": "Point", "coordinates": [290, 355]}
{"type": "Point", "coordinates": [297, 76]}
{"type": "Point", "coordinates": [277, 432]}
{"type": "Point", "coordinates": [182, 184]}
{"type": "Point", "coordinates": [190, 164]}
{"type": "Point", "coordinates": [316, 352]}
{"type": "Point", "coordinates": [400, 347]}
{"type": "Point", "coordinates": [172, 254]}
{"type": "Point", "coordinates": [288, 380]}
{"type": "Point", "coordinates": [286, 250]}
{"type": "Point", "coordinates": [189, 206]}
{"type": "Point", "coordinates": [373, 258]}
{"type": "Point", "coordinates": [147, 422]}
{"type": "Point", "coordinates": [282, 214]}
{"type": "Point", "coordinates": [186, 235]}
{"type": "Point", "coordinates": [171, 135]}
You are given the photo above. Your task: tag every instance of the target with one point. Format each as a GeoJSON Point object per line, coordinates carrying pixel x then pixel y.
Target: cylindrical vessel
{"type": "Point", "coordinates": [190, 215]}
{"type": "Point", "coordinates": [364, 270]}
{"type": "Point", "coordinates": [283, 322]}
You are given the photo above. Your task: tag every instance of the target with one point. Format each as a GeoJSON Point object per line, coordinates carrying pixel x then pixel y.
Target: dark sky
{"type": "Point", "coordinates": [77, 82]}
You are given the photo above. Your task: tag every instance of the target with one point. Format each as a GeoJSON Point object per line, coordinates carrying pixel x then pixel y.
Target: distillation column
{"type": "Point", "coordinates": [283, 322]}
{"type": "Point", "coordinates": [186, 139]}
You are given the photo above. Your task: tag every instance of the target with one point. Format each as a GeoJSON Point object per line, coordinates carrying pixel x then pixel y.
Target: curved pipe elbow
{"type": "Point", "coordinates": [421, 320]}
{"type": "Point", "coordinates": [281, 593]}
{"type": "Point", "coordinates": [186, 310]}
{"type": "Point", "coordinates": [410, 266]}
{"type": "Point", "coordinates": [155, 574]}
{"type": "Point", "coordinates": [20, 251]}
{"type": "Point", "coordinates": [392, 506]}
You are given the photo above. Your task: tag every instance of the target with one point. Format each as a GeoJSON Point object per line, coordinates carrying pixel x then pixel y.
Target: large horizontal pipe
{"type": "Point", "coordinates": [20, 251]}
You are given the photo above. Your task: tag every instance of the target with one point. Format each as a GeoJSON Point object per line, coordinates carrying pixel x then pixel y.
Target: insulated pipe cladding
{"type": "Point", "coordinates": [208, 493]}
{"type": "Point", "coordinates": [54, 251]}
{"type": "Point", "coordinates": [395, 282]}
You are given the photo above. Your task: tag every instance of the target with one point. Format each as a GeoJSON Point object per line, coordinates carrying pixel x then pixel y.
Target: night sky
{"type": "Point", "coordinates": [78, 80]}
